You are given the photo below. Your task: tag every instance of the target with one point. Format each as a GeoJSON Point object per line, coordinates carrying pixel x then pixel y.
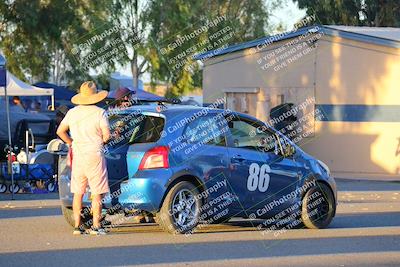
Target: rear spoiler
{"type": "Point", "coordinates": [171, 101]}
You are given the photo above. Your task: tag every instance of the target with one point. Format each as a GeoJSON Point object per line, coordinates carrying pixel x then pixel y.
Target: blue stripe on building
{"type": "Point", "coordinates": [359, 113]}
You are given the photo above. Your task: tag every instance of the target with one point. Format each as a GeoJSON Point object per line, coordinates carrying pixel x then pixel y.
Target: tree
{"type": "Point", "coordinates": [36, 37]}
{"type": "Point", "coordinates": [373, 13]}
{"type": "Point", "coordinates": [177, 20]}
{"type": "Point", "coordinates": [61, 40]}
{"type": "Point", "coordinates": [130, 17]}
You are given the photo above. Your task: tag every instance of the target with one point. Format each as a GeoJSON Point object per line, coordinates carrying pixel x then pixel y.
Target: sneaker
{"type": "Point", "coordinates": [139, 219]}
{"type": "Point", "coordinates": [97, 231]}
{"type": "Point", "coordinates": [78, 231]}
{"type": "Point", "coordinates": [150, 219]}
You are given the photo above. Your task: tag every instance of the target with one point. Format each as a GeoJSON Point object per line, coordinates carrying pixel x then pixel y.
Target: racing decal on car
{"type": "Point", "coordinates": [258, 177]}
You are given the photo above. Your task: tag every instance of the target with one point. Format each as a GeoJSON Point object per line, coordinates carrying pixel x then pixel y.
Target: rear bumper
{"type": "Point", "coordinates": [144, 192]}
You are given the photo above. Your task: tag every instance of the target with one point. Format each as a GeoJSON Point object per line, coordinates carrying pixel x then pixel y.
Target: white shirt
{"type": "Point", "coordinates": [87, 125]}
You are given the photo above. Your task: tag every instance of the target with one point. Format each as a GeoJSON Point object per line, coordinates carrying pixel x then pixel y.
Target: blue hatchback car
{"type": "Point", "coordinates": [191, 165]}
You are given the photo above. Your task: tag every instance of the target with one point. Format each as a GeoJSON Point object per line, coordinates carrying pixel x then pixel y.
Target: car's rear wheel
{"type": "Point", "coordinates": [180, 211]}
{"type": "Point", "coordinates": [68, 213]}
{"type": "Point", "coordinates": [318, 207]}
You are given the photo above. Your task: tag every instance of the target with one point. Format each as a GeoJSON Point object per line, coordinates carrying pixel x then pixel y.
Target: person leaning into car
{"type": "Point", "coordinates": [89, 129]}
{"type": "Point", "coordinates": [124, 100]}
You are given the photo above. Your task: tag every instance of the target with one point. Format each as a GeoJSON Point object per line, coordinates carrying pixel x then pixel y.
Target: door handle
{"type": "Point", "coordinates": [237, 158]}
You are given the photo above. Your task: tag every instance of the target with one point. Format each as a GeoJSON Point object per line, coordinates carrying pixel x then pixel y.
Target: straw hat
{"type": "Point", "coordinates": [88, 94]}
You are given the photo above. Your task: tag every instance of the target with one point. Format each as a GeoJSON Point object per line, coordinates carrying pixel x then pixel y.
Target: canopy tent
{"type": "Point", "coordinates": [60, 92]}
{"type": "Point", "coordinates": [16, 87]}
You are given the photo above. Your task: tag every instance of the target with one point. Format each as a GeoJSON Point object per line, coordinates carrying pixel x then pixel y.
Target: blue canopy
{"type": "Point", "coordinates": [60, 92]}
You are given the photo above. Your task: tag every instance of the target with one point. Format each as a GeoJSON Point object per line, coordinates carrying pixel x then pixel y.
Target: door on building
{"type": "Point", "coordinates": [242, 100]}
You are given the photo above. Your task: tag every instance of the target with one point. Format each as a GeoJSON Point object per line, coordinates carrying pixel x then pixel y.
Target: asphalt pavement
{"type": "Point", "coordinates": [365, 232]}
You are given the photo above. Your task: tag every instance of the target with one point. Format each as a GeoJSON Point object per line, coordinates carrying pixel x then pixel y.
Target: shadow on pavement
{"type": "Point", "coordinates": [17, 197]}
{"type": "Point", "coordinates": [341, 221]}
{"type": "Point", "coordinates": [31, 212]}
{"type": "Point", "coordinates": [366, 185]}
{"type": "Point", "coordinates": [202, 251]}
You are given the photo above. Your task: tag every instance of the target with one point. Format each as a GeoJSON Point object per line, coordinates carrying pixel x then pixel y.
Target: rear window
{"type": "Point", "coordinates": [146, 130]}
{"type": "Point", "coordinates": [135, 129]}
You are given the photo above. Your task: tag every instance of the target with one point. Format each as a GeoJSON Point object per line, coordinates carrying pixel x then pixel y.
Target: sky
{"type": "Point", "coordinates": [288, 14]}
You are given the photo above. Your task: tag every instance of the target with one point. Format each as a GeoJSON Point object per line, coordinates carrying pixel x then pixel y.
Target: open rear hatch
{"type": "Point", "coordinates": [133, 135]}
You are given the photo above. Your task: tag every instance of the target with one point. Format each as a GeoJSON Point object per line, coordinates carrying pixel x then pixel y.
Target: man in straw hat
{"type": "Point", "coordinates": [89, 129]}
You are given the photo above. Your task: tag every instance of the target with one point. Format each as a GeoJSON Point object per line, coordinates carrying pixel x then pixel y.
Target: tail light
{"type": "Point", "coordinates": [155, 158]}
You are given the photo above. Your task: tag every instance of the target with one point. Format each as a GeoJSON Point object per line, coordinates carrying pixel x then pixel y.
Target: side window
{"type": "Point", "coordinates": [204, 130]}
{"type": "Point", "coordinates": [251, 135]}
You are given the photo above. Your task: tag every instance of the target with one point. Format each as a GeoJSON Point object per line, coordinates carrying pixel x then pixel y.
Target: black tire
{"type": "Point", "coordinates": [68, 213]}
{"type": "Point", "coordinates": [51, 187]}
{"type": "Point", "coordinates": [168, 217]}
{"type": "Point", "coordinates": [318, 207]}
{"type": "Point", "coordinates": [3, 188]}
{"type": "Point", "coordinates": [14, 188]}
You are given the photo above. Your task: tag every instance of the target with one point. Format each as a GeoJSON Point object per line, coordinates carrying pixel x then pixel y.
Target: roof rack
{"type": "Point", "coordinates": [163, 100]}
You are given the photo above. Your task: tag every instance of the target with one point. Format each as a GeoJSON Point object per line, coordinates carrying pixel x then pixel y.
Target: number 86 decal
{"type": "Point", "coordinates": [258, 177]}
